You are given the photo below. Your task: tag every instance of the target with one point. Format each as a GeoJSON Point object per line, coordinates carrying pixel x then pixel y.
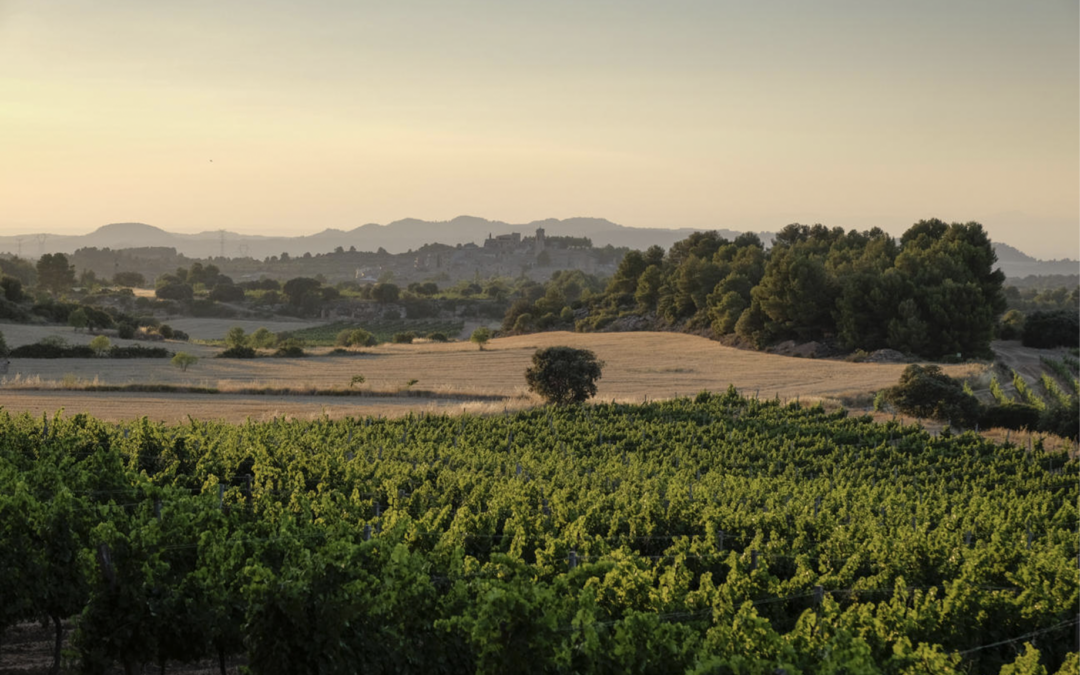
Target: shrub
{"type": "Point", "coordinates": [438, 337]}
{"type": "Point", "coordinates": [1010, 416]}
{"type": "Point", "coordinates": [291, 348]}
{"type": "Point", "coordinates": [357, 379]}
{"type": "Point", "coordinates": [100, 344]}
{"type": "Point", "coordinates": [262, 338]}
{"type": "Point", "coordinates": [405, 338]}
{"type": "Point", "coordinates": [125, 331]}
{"type": "Point", "coordinates": [480, 337]}
{"type": "Point", "coordinates": [355, 337]}
{"type": "Point", "coordinates": [237, 352]}
{"type": "Point", "coordinates": [4, 351]}
{"type": "Point", "coordinates": [564, 375]}
{"type": "Point", "coordinates": [235, 337]}
{"type": "Point", "coordinates": [183, 361]}
{"type": "Point", "coordinates": [227, 293]}
{"type": "Point", "coordinates": [166, 331]}
{"type": "Point", "coordinates": [1061, 420]}
{"type": "Point", "coordinates": [52, 350]}
{"type": "Point", "coordinates": [925, 391]}
{"type": "Point", "coordinates": [181, 292]}
{"type": "Point", "coordinates": [137, 352]}
{"type": "Point", "coordinates": [78, 319]}
{"type": "Point", "coordinates": [1011, 325]}
{"type": "Point", "coordinates": [1046, 330]}
{"type": "Point", "coordinates": [11, 288]}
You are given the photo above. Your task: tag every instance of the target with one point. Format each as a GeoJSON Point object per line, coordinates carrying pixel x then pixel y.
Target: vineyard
{"type": "Point", "coordinates": [719, 534]}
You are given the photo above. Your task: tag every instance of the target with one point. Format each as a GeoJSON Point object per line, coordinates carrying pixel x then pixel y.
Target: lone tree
{"type": "Point", "coordinates": [182, 360]}
{"type": "Point", "coordinates": [564, 375]}
{"type": "Point", "coordinates": [100, 345]}
{"type": "Point", "coordinates": [481, 336]}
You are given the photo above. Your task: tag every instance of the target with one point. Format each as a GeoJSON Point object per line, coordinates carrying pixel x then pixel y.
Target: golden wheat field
{"type": "Point", "coordinates": [637, 365]}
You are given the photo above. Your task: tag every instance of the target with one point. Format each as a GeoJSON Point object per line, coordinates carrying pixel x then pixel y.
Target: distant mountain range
{"type": "Point", "coordinates": [409, 234]}
{"type": "Point", "coordinates": [397, 237]}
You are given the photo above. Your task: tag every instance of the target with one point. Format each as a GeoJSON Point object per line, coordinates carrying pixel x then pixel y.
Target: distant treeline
{"type": "Point", "coordinates": [934, 292]}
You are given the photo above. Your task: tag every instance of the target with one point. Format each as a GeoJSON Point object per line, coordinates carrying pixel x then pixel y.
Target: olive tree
{"type": "Point", "coordinates": [564, 375]}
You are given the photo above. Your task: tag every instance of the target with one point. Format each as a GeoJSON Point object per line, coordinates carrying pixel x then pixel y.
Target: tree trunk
{"type": "Point", "coordinates": [58, 644]}
{"type": "Point", "coordinates": [221, 659]}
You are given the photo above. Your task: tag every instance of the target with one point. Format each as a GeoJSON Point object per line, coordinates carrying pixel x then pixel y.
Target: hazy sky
{"type": "Point", "coordinates": [745, 115]}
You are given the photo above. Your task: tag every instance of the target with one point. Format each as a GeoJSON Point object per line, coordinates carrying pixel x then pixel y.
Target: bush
{"type": "Point", "coordinates": [183, 361]}
{"type": "Point", "coordinates": [355, 337]}
{"type": "Point", "coordinates": [405, 338]}
{"type": "Point", "coordinates": [235, 337]}
{"type": "Point", "coordinates": [1011, 325]}
{"type": "Point", "coordinates": [125, 331]}
{"type": "Point", "coordinates": [1046, 330]}
{"type": "Point", "coordinates": [926, 392]}
{"type": "Point", "coordinates": [166, 331]}
{"type": "Point", "coordinates": [1010, 416]}
{"type": "Point", "coordinates": [237, 352]}
{"type": "Point", "coordinates": [1062, 420]}
{"type": "Point", "coordinates": [4, 351]}
{"type": "Point", "coordinates": [181, 292]}
{"type": "Point", "coordinates": [137, 352]}
{"type": "Point", "coordinates": [227, 293]}
{"type": "Point", "coordinates": [262, 338]}
{"type": "Point", "coordinates": [438, 337]}
{"type": "Point", "coordinates": [100, 344]}
{"type": "Point", "coordinates": [480, 337]}
{"type": "Point", "coordinates": [52, 350]}
{"type": "Point", "coordinates": [291, 348]}
{"type": "Point", "coordinates": [564, 375]}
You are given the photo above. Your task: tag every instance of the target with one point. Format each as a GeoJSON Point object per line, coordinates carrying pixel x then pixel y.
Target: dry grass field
{"type": "Point", "coordinates": [637, 365]}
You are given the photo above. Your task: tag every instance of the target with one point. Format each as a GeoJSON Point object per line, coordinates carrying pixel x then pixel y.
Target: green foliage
{"type": "Point", "coordinates": [327, 335]}
{"type": "Point", "coordinates": [1010, 415]}
{"type": "Point", "coordinates": [442, 544]}
{"type": "Point", "coordinates": [357, 379]}
{"type": "Point", "coordinates": [404, 338]}
{"type": "Point", "coordinates": [235, 337]}
{"type": "Point", "coordinates": [998, 393]}
{"type": "Point", "coordinates": [480, 337]}
{"type": "Point", "coordinates": [125, 331]}
{"type": "Point", "coordinates": [11, 289]}
{"type": "Point", "coordinates": [100, 345]}
{"type": "Point", "coordinates": [564, 375]}
{"type": "Point", "coordinates": [262, 338]}
{"type": "Point", "coordinates": [1045, 330]}
{"type": "Point", "coordinates": [78, 319]}
{"type": "Point", "coordinates": [129, 279]}
{"type": "Point", "coordinates": [54, 273]}
{"type": "Point", "coordinates": [935, 293]}
{"type": "Point", "coordinates": [438, 337]}
{"type": "Point", "coordinates": [1011, 325]}
{"type": "Point", "coordinates": [177, 291]}
{"type": "Point", "coordinates": [291, 348]}
{"type": "Point", "coordinates": [926, 392]}
{"type": "Point", "coordinates": [183, 360]}
{"type": "Point", "coordinates": [4, 350]}
{"type": "Point", "coordinates": [1026, 394]}
{"type": "Point", "coordinates": [237, 352]}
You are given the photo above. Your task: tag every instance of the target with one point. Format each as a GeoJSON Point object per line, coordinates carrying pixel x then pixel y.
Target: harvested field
{"type": "Point", "coordinates": [656, 365]}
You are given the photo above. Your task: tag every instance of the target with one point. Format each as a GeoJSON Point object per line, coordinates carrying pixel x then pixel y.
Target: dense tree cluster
{"type": "Point", "coordinates": [934, 292]}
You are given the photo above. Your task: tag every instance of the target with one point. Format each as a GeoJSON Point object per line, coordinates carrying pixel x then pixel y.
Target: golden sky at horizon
{"type": "Point", "coordinates": [744, 116]}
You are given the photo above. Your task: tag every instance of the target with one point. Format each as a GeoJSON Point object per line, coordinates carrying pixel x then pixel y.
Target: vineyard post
{"type": "Point", "coordinates": [220, 495]}
{"type": "Point", "coordinates": [572, 559]}
{"type": "Point", "coordinates": [367, 532]}
{"type": "Point", "coordinates": [753, 559]}
{"type": "Point", "coordinates": [819, 598]}
{"type": "Point", "coordinates": [720, 538]}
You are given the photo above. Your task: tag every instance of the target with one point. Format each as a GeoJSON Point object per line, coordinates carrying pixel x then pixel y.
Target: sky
{"type": "Point", "coordinates": [276, 117]}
